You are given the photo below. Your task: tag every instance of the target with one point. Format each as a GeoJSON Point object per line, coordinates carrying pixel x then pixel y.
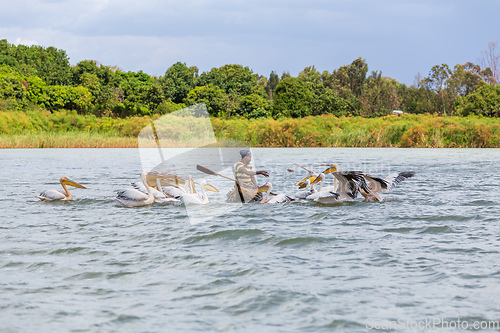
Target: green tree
{"type": "Point", "coordinates": [178, 81]}
{"type": "Point", "coordinates": [254, 106]}
{"type": "Point", "coordinates": [105, 74]}
{"type": "Point", "coordinates": [436, 82]}
{"type": "Point", "coordinates": [232, 79]}
{"type": "Point", "coordinates": [212, 96]}
{"type": "Point", "coordinates": [380, 95]}
{"type": "Point", "coordinates": [136, 87]}
{"type": "Point", "coordinates": [416, 98]}
{"type": "Point", "coordinates": [273, 82]}
{"type": "Point", "coordinates": [465, 79]}
{"type": "Point", "coordinates": [154, 95]}
{"type": "Point", "coordinates": [484, 101]}
{"type": "Point", "coordinates": [37, 90]}
{"type": "Point", "coordinates": [327, 101]}
{"type": "Point", "coordinates": [11, 86]}
{"type": "Point", "coordinates": [292, 98]}
{"type": "Point", "coordinates": [351, 77]}
{"type": "Point", "coordinates": [8, 60]}
{"type": "Point", "coordinates": [285, 75]}
{"type": "Point", "coordinates": [50, 64]}
{"type": "Point", "coordinates": [310, 75]}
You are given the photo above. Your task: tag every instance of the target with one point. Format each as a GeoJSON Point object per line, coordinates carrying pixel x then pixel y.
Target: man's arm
{"type": "Point", "coordinates": [253, 173]}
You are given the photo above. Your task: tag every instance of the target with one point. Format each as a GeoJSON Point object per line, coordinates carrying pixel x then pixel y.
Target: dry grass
{"type": "Point", "coordinates": [66, 140]}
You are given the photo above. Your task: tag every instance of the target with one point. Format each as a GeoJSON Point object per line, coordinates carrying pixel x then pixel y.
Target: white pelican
{"type": "Point", "coordinates": [348, 188]}
{"type": "Point", "coordinates": [160, 197]}
{"type": "Point", "coordinates": [197, 198]}
{"type": "Point", "coordinates": [278, 198]}
{"type": "Point", "coordinates": [54, 195]}
{"type": "Point", "coordinates": [377, 186]}
{"type": "Point", "coordinates": [331, 168]}
{"type": "Point", "coordinates": [314, 193]}
{"type": "Point", "coordinates": [307, 192]}
{"type": "Point", "coordinates": [132, 197]}
{"type": "Point", "coordinates": [173, 191]}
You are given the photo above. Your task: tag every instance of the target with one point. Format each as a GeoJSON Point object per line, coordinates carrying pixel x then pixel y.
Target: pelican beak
{"type": "Point", "coordinates": [73, 183]}
{"type": "Point", "coordinates": [191, 185]}
{"type": "Point", "coordinates": [316, 180]}
{"type": "Point", "coordinates": [172, 180]}
{"type": "Point", "coordinates": [330, 169]}
{"type": "Point", "coordinates": [303, 180]}
{"type": "Point", "coordinates": [151, 180]}
{"type": "Point", "coordinates": [210, 188]}
{"type": "Point", "coordinates": [302, 185]}
{"type": "Point", "coordinates": [263, 188]}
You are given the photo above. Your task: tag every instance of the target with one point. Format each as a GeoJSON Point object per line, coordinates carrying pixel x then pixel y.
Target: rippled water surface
{"type": "Point", "coordinates": [431, 250]}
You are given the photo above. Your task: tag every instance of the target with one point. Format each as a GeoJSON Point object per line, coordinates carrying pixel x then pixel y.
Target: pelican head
{"type": "Point", "coordinates": [331, 167]}
{"type": "Point", "coordinates": [321, 177]}
{"type": "Point", "coordinates": [66, 181]}
{"type": "Point", "coordinates": [264, 188]}
{"type": "Point", "coordinates": [305, 183]}
{"type": "Point", "coordinates": [311, 177]}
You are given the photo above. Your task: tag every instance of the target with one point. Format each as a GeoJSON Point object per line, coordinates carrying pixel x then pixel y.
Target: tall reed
{"type": "Point", "coordinates": [68, 129]}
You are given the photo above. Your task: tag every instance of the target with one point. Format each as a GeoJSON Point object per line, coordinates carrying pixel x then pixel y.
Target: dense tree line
{"type": "Point", "coordinates": [34, 75]}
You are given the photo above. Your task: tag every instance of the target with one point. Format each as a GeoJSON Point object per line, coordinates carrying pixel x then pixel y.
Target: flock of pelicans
{"type": "Point", "coordinates": [170, 188]}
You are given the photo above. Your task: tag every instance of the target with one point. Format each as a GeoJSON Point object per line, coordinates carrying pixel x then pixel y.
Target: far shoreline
{"type": "Point", "coordinates": [405, 131]}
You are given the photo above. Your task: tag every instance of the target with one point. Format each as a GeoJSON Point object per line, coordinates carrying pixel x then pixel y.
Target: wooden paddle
{"type": "Point", "coordinates": [212, 173]}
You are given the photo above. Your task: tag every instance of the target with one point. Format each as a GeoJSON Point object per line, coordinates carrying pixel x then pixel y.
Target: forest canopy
{"type": "Point", "coordinates": [43, 77]}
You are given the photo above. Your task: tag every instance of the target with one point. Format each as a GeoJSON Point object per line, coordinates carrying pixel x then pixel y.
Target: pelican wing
{"type": "Point", "coordinates": [140, 187]}
{"type": "Point", "coordinates": [193, 198]}
{"type": "Point", "coordinates": [303, 194]}
{"type": "Point", "coordinates": [280, 198]}
{"type": "Point", "coordinates": [132, 194]}
{"type": "Point", "coordinates": [50, 195]}
{"type": "Point", "coordinates": [168, 200]}
{"type": "Point", "coordinates": [328, 197]}
{"type": "Point", "coordinates": [376, 184]}
{"type": "Point", "coordinates": [173, 191]}
{"type": "Point", "coordinates": [350, 182]}
{"type": "Point", "coordinates": [394, 179]}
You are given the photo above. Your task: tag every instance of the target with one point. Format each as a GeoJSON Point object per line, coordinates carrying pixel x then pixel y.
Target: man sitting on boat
{"type": "Point", "coordinates": [246, 186]}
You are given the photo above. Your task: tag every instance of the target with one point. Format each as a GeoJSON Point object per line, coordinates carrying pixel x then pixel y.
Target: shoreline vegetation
{"type": "Point", "coordinates": [45, 102]}
{"type": "Point", "coordinates": [67, 129]}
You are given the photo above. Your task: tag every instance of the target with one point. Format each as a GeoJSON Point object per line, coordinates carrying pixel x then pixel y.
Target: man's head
{"type": "Point", "coordinates": [246, 155]}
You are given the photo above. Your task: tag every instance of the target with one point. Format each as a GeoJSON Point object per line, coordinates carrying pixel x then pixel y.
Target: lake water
{"type": "Point", "coordinates": [428, 254]}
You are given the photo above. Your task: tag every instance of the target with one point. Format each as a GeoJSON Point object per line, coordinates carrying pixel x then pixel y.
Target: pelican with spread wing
{"type": "Point", "coordinates": [56, 195]}
{"type": "Point", "coordinates": [349, 185]}
{"type": "Point", "coordinates": [377, 186]}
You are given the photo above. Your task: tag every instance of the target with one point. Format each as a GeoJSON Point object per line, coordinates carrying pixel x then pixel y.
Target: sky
{"type": "Point", "coordinates": [398, 38]}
